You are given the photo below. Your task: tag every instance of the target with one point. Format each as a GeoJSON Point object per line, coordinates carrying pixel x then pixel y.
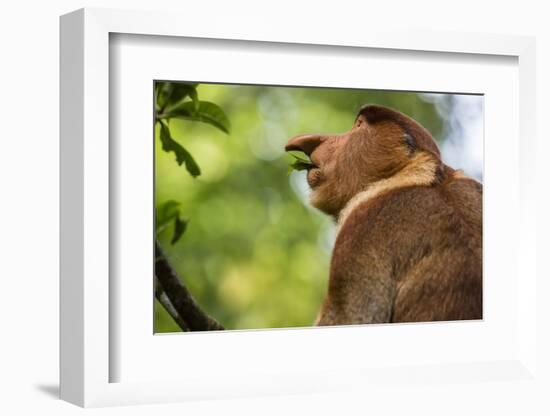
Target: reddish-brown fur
{"type": "Point", "coordinates": [409, 246]}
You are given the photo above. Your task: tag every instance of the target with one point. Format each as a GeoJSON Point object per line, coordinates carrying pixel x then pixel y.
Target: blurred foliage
{"type": "Point", "coordinates": [254, 254]}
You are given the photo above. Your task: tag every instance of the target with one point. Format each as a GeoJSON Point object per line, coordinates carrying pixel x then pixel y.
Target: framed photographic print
{"type": "Point", "coordinates": [258, 253]}
{"type": "Point", "coordinates": [237, 209]}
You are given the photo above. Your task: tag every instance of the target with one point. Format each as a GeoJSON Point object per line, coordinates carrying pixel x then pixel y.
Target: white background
{"type": "Point", "coordinates": [29, 163]}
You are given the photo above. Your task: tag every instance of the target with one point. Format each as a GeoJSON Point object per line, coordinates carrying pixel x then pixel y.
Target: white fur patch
{"type": "Point", "coordinates": [420, 172]}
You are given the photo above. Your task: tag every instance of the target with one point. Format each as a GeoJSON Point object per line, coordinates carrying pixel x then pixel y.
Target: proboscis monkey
{"type": "Point", "coordinates": [409, 242]}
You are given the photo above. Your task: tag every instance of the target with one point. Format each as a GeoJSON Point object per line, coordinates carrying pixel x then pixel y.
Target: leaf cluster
{"type": "Point", "coordinates": [177, 100]}
{"type": "Point", "coordinates": [180, 100]}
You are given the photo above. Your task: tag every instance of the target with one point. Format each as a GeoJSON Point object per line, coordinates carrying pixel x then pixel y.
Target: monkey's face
{"type": "Point", "coordinates": [324, 153]}
{"type": "Point", "coordinates": [331, 177]}
{"type": "Point", "coordinates": [378, 145]}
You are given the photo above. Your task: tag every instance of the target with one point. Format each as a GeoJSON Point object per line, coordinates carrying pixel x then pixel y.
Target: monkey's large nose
{"type": "Point", "coordinates": [305, 143]}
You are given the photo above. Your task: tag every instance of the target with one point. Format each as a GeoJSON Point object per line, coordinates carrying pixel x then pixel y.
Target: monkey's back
{"type": "Point", "coordinates": [429, 241]}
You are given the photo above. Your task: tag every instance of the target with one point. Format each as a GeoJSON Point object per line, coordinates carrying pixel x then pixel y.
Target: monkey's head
{"type": "Point", "coordinates": [381, 143]}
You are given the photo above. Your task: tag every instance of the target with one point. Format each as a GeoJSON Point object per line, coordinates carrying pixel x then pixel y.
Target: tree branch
{"type": "Point", "coordinates": [165, 302]}
{"type": "Point", "coordinates": [180, 298]}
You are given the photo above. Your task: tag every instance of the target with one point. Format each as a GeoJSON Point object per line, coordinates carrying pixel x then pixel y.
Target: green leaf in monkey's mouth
{"type": "Point", "coordinates": [301, 163]}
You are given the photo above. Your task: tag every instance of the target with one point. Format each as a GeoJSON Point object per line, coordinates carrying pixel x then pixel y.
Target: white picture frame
{"type": "Point", "coordinates": [86, 262]}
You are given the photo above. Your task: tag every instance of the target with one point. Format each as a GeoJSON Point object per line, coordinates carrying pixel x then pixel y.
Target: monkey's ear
{"type": "Point", "coordinates": [376, 113]}
{"type": "Point", "coordinates": [416, 136]}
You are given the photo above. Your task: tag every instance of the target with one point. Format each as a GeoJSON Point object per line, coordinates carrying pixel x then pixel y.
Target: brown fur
{"type": "Point", "coordinates": [410, 230]}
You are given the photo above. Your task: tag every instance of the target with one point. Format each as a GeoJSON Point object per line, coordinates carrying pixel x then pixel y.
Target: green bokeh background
{"type": "Point", "coordinates": [255, 255]}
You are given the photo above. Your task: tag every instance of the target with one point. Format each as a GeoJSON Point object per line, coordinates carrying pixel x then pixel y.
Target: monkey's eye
{"type": "Point", "coordinates": [409, 141]}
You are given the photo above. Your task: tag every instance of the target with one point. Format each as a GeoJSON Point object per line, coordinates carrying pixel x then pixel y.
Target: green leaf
{"type": "Point", "coordinates": [300, 163]}
{"type": "Point", "coordinates": [167, 212]}
{"type": "Point", "coordinates": [195, 99]}
{"type": "Point", "coordinates": [169, 94]}
{"type": "Point", "coordinates": [297, 165]}
{"type": "Point", "coordinates": [206, 112]}
{"type": "Point", "coordinates": [180, 91]}
{"type": "Point", "coordinates": [182, 155]}
{"type": "Point", "coordinates": [162, 93]}
{"type": "Point", "coordinates": [179, 228]}
{"type": "Point", "coordinates": [158, 86]}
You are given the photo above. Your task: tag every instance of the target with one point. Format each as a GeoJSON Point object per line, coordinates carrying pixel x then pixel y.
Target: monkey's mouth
{"type": "Point", "coordinates": [314, 176]}
{"type": "Point", "coordinates": [313, 170]}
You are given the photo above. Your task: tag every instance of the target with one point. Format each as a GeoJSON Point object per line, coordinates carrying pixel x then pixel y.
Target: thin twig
{"type": "Point", "coordinates": [180, 298]}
